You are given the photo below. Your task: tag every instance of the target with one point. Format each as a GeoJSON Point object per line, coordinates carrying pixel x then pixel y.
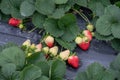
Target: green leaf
{"type": "Point", "coordinates": [30, 73]}
{"type": "Point", "coordinates": [45, 7]}
{"type": "Point", "coordinates": [81, 2]}
{"type": "Point", "coordinates": [38, 20]}
{"type": "Point", "coordinates": [12, 55]}
{"type": "Point", "coordinates": [67, 6]}
{"type": "Point", "coordinates": [115, 66]}
{"type": "Point", "coordinates": [97, 6]}
{"type": "Point", "coordinates": [36, 57]}
{"type": "Point", "coordinates": [116, 44]}
{"type": "Point", "coordinates": [58, 69]}
{"type": "Point", "coordinates": [116, 30]}
{"type": "Point", "coordinates": [95, 71]}
{"type": "Point", "coordinates": [16, 3]}
{"type": "Point", "coordinates": [113, 11]}
{"type": "Point", "coordinates": [67, 45]}
{"type": "Point", "coordinates": [7, 46]}
{"type": "Point", "coordinates": [67, 19]}
{"type": "Point", "coordinates": [117, 4]}
{"type": "Point", "coordinates": [58, 13]}
{"type": "Point", "coordinates": [8, 70]}
{"type": "Point", "coordinates": [44, 67]}
{"type": "Point", "coordinates": [27, 10]}
{"type": "Point", "coordinates": [5, 6]}
{"type": "Point", "coordinates": [101, 37]}
{"type": "Point", "coordinates": [51, 26]}
{"type": "Point", "coordinates": [109, 23]}
{"type": "Point", "coordinates": [43, 78]}
{"type": "Point", "coordinates": [68, 24]}
{"type": "Point", "coordinates": [70, 33]}
{"type": "Point", "coordinates": [108, 75]}
{"type": "Point", "coordinates": [60, 1]}
{"type": "Point", "coordinates": [103, 25]}
{"type": "Point", "coordinates": [16, 13]}
{"type": "Point", "coordinates": [81, 76]}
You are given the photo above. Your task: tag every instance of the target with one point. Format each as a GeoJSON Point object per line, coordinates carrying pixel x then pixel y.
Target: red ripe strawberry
{"type": "Point", "coordinates": [88, 34]}
{"type": "Point", "coordinates": [84, 45]}
{"type": "Point", "coordinates": [49, 41]}
{"type": "Point", "coordinates": [14, 21]}
{"type": "Point", "coordinates": [73, 61]}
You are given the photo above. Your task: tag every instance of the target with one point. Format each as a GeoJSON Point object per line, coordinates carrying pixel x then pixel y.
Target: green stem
{"type": "Point", "coordinates": [85, 17]}
{"type": "Point", "coordinates": [40, 31]}
{"type": "Point", "coordinates": [32, 30]}
{"type": "Point", "coordinates": [82, 15]}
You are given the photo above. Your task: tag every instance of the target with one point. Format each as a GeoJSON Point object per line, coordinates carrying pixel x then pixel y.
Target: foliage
{"type": "Point", "coordinates": [95, 72]}
{"type": "Point", "coordinates": [15, 65]}
{"type": "Point", "coordinates": [115, 67]}
{"type": "Point", "coordinates": [108, 26]}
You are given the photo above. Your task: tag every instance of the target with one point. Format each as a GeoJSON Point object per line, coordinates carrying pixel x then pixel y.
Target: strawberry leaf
{"type": "Point", "coordinates": [36, 57]}
{"type": "Point", "coordinates": [42, 78]}
{"type": "Point", "coordinates": [101, 37]}
{"type": "Point", "coordinates": [44, 67]}
{"type": "Point", "coordinates": [60, 1]}
{"type": "Point", "coordinates": [58, 13]}
{"type": "Point", "coordinates": [51, 26]}
{"type": "Point", "coordinates": [81, 76]}
{"type": "Point", "coordinates": [115, 66]}
{"type": "Point", "coordinates": [8, 70]}
{"type": "Point", "coordinates": [17, 57]}
{"type": "Point", "coordinates": [45, 7]}
{"type": "Point", "coordinates": [16, 13]}
{"type": "Point", "coordinates": [5, 9]}
{"type": "Point", "coordinates": [27, 10]}
{"type": "Point", "coordinates": [67, 45]}
{"type": "Point", "coordinates": [58, 69]}
{"type": "Point", "coordinates": [116, 44]}
{"type": "Point", "coordinates": [95, 72]}
{"type": "Point", "coordinates": [31, 72]}
{"type": "Point", "coordinates": [69, 25]}
{"type": "Point", "coordinates": [81, 2]}
{"type": "Point", "coordinates": [105, 27]}
{"type": "Point", "coordinates": [97, 6]}
{"type": "Point", "coordinates": [15, 3]}
{"type": "Point", "coordinates": [70, 33]}
{"type": "Point", "coordinates": [109, 23]}
{"type": "Point", "coordinates": [38, 20]}
{"type": "Point", "coordinates": [67, 19]}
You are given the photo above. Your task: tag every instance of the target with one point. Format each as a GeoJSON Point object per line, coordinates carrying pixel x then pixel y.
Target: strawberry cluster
{"type": "Point", "coordinates": [65, 55]}
{"type": "Point", "coordinates": [83, 40]}
{"type": "Point", "coordinates": [51, 51]}
{"type": "Point", "coordinates": [31, 48]}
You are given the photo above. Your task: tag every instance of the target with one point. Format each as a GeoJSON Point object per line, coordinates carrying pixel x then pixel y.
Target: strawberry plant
{"type": "Point", "coordinates": [58, 22]}
{"type": "Point", "coordinates": [15, 65]}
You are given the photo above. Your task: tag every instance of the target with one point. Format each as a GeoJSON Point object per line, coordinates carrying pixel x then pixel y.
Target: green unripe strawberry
{"type": "Point", "coordinates": [90, 27]}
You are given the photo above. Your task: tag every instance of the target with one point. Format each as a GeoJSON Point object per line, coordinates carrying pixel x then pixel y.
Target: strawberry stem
{"type": "Point", "coordinates": [40, 31]}
{"type": "Point", "coordinates": [82, 15]}
{"type": "Point", "coordinates": [32, 30]}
